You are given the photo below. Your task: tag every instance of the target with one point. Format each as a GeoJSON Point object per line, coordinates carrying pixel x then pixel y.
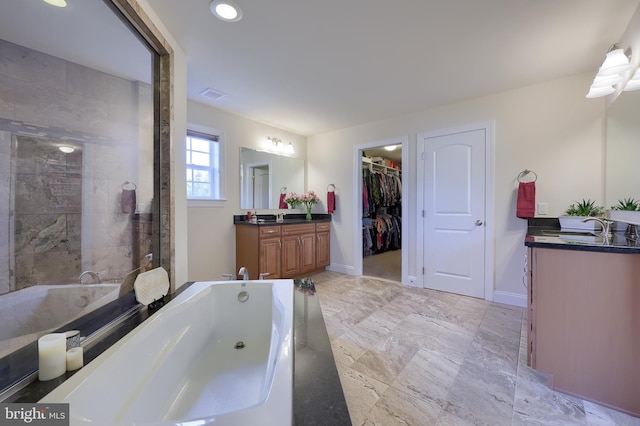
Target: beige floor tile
{"type": "Point", "coordinates": [428, 376]}
{"type": "Point", "coordinates": [404, 353]}
{"type": "Point", "coordinates": [397, 408]}
{"type": "Point", "coordinates": [361, 392]}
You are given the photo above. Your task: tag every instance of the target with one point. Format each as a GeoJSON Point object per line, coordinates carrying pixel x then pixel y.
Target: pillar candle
{"type": "Point", "coordinates": [74, 358]}
{"type": "Point", "coordinates": [52, 358]}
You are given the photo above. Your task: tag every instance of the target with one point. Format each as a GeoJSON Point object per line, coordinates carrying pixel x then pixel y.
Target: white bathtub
{"type": "Point", "coordinates": [181, 366]}
{"type": "Point", "coordinates": [34, 311]}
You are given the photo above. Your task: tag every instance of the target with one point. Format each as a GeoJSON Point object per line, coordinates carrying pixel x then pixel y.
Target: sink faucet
{"type": "Point", "coordinates": [96, 278]}
{"type": "Point", "coordinates": [245, 274]}
{"type": "Point", "coordinates": [606, 224]}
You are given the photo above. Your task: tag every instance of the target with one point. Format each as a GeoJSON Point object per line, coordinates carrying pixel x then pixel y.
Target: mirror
{"type": "Point", "coordinates": [73, 224]}
{"type": "Point", "coordinates": [622, 171]}
{"type": "Point", "coordinates": [264, 176]}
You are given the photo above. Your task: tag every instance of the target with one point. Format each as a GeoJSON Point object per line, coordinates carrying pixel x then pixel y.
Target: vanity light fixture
{"type": "Point", "coordinates": [57, 3]}
{"type": "Point", "coordinates": [633, 83]}
{"type": "Point", "coordinates": [611, 73]}
{"type": "Point", "coordinates": [277, 146]}
{"type": "Point", "coordinates": [226, 10]}
{"type": "Point", "coordinates": [66, 149]}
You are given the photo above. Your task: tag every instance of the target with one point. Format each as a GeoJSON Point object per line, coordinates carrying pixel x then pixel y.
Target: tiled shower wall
{"type": "Point", "coordinates": [46, 102]}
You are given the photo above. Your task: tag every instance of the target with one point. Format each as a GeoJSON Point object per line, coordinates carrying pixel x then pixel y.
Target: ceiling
{"type": "Point", "coordinates": [316, 66]}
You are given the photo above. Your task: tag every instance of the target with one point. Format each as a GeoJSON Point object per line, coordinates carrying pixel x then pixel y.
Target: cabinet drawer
{"type": "Point", "coordinates": [269, 231]}
{"type": "Point", "coordinates": [303, 228]}
{"type": "Point", "coordinates": [322, 227]}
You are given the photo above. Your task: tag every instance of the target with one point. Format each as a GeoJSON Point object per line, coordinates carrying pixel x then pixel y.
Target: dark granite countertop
{"type": "Point", "coordinates": [546, 233]}
{"type": "Point", "coordinates": [318, 398]}
{"type": "Point", "coordinates": [290, 218]}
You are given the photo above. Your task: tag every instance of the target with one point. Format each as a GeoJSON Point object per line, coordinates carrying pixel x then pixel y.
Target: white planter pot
{"type": "Point", "coordinates": [626, 216]}
{"type": "Point", "coordinates": [576, 224]}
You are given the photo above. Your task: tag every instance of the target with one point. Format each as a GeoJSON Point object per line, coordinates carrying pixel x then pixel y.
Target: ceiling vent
{"type": "Point", "coordinates": [211, 93]}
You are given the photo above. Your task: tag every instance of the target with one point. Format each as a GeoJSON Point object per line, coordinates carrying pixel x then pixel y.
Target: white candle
{"type": "Point", "coordinates": [74, 358]}
{"type": "Point", "coordinates": [52, 358]}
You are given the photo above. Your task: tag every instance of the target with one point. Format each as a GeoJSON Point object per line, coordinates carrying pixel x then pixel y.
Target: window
{"type": "Point", "coordinates": [203, 166]}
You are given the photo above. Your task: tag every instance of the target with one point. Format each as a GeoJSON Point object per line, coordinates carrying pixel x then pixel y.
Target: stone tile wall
{"type": "Point", "coordinates": [67, 212]}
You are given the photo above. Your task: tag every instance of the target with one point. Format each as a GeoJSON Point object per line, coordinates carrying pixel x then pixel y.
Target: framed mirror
{"type": "Point", "coordinates": [264, 176]}
{"type": "Point", "coordinates": [622, 172]}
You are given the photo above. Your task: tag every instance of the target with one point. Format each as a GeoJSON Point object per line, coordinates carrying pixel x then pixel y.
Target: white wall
{"type": "Point", "coordinates": [549, 128]}
{"type": "Point", "coordinates": [211, 233]}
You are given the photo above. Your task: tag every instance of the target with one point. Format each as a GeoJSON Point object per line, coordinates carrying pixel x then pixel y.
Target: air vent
{"type": "Point", "coordinates": [211, 93]}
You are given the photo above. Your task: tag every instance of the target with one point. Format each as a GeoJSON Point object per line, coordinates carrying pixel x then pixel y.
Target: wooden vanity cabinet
{"type": "Point", "coordinates": [298, 249]}
{"type": "Point", "coordinates": [583, 323]}
{"type": "Point", "coordinates": [283, 251]}
{"type": "Point", "coordinates": [323, 238]}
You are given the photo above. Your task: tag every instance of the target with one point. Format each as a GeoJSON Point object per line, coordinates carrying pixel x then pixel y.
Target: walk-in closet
{"type": "Point", "coordinates": [382, 212]}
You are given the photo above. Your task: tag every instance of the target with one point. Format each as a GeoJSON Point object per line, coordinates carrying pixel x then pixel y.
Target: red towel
{"type": "Point", "coordinates": [331, 201]}
{"type": "Point", "coordinates": [283, 204]}
{"type": "Point", "coordinates": [526, 200]}
{"type": "Point", "coordinates": [128, 201]}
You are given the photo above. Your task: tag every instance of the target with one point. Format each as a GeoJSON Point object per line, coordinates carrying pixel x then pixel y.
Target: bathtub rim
{"type": "Point", "coordinates": [281, 389]}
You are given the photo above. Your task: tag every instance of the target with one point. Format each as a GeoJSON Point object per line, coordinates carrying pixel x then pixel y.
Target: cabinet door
{"type": "Point", "coordinates": [323, 256]}
{"type": "Point", "coordinates": [307, 252]}
{"type": "Point", "coordinates": [270, 252]}
{"type": "Point", "coordinates": [291, 256]}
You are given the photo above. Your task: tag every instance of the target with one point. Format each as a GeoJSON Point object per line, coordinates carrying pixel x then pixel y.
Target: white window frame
{"type": "Point", "coordinates": [213, 133]}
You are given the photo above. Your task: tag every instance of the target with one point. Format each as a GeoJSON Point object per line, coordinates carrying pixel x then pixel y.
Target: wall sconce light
{"type": "Point", "coordinates": [277, 146]}
{"type": "Point", "coordinates": [612, 74]}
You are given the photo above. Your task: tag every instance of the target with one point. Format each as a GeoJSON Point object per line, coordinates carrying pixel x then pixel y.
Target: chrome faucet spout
{"type": "Point", "coordinates": [606, 224]}
{"type": "Point", "coordinates": [245, 273]}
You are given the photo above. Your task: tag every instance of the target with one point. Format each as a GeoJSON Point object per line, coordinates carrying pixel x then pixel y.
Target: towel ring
{"type": "Point", "coordinates": [283, 190]}
{"type": "Point", "coordinates": [331, 187]}
{"type": "Point", "coordinates": [128, 183]}
{"type": "Point", "coordinates": [526, 172]}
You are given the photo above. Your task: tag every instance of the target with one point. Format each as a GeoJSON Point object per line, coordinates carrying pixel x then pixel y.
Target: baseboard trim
{"type": "Point", "coordinates": [507, 298]}
{"type": "Point", "coordinates": [343, 269]}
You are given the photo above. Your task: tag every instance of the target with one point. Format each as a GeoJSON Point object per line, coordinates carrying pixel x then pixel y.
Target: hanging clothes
{"type": "Point", "coordinates": [381, 210]}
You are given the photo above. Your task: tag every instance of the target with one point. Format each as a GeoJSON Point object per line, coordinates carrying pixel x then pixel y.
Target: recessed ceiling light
{"type": "Point", "coordinates": [390, 147]}
{"type": "Point", "coordinates": [226, 10]}
{"type": "Point", "coordinates": [66, 149]}
{"type": "Point", "coordinates": [57, 3]}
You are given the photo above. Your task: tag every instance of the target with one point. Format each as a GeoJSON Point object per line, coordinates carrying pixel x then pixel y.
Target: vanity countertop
{"type": "Point", "coordinates": [318, 398]}
{"type": "Point", "coordinates": [546, 233]}
{"type": "Point", "coordinates": [290, 219]}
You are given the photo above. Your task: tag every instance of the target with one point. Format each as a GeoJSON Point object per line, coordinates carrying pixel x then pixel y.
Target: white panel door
{"type": "Point", "coordinates": [454, 212]}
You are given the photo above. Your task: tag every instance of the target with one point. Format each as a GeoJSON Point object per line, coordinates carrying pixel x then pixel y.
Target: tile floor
{"type": "Point", "coordinates": [411, 356]}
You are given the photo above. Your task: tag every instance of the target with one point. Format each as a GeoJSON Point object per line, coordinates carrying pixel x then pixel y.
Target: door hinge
{"type": "Point", "coordinates": [422, 155]}
{"type": "Point", "coordinates": [423, 270]}
{"type": "Point", "coordinates": [422, 213]}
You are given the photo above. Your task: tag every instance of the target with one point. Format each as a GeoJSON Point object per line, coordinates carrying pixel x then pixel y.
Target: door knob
{"type": "Point", "coordinates": [478, 222]}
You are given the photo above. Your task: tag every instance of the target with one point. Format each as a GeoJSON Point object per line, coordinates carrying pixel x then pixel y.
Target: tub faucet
{"type": "Point", "coordinates": [96, 278]}
{"type": "Point", "coordinates": [606, 224]}
{"type": "Point", "coordinates": [245, 274]}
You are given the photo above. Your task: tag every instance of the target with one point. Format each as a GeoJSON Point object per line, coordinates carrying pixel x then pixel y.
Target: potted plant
{"type": "Point", "coordinates": [577, 212]}
{"type": "Point", "coordinates": [627, 204]}
{"type": "Point", "coordinates": [627, 210]}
